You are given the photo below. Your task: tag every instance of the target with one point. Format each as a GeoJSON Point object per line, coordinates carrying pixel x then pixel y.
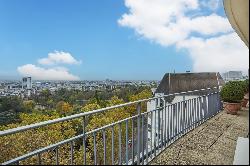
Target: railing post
{"type": "Point", "coordinates": [138, 109]}
{"type": "Point", "coordinates": [104, 147]}
{"type": "Point", "coordinates": [209, 98]}
{"type": "Point", "coordinates": [84, 140]}
{"type": "Point", "coordinates": [126, 142]}
{"type": "Point", "coordinates": [165, 120]}
{"type": "Point", "coordinates": [162, 124]}
{"type": "Point", "coordinates": [132, 148]}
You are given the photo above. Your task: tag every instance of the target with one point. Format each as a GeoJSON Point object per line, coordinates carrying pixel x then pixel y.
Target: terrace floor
{"type": "Point", "coordinates": [212, 143]}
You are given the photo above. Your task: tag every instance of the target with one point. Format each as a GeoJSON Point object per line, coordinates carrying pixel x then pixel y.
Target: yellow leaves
{"type": "Point", "coordinates": [18, 144]}
{"type": "Point", "coordinates": [64, 108]}
{"type": "Point", "coordinates": [146, 93]}
{"type": "Point", "coordinates": [115, 101]}
{"type": "Point", "coordinates": [90, 107]}
{"type": "Point", "coordinates": [29, 105]}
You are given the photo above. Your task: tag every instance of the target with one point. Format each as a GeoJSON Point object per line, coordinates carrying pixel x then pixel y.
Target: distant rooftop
{"type": "Point", "coordinates": [182, 82]}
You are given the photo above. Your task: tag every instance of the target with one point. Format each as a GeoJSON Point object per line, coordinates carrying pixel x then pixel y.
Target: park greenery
{"type": "Point", "coordinates": [48, 105]}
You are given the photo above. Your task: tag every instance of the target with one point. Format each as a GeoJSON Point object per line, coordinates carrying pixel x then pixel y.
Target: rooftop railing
{"type": "Point", "coordinates": [133, 140]}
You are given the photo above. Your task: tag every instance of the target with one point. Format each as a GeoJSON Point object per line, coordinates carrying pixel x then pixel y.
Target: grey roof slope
{"type": "Point", "coordinates": [182, 82]}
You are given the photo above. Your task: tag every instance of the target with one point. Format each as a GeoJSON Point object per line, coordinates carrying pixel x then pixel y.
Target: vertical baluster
{"type": "Point", "coordinates": [84, 140]}
{"type": "Point", "coordinates": [195, 113]}
{"type": "Point", "coordinates": [168, 126]}
{"type": "Point", "coordinates": [57, 156]}
{"type": "Point", "coordinates": [151, 134]}
{"type": "Point", "coordinates": [39, 158]}
{"type": "Point", "coordinates": [138, 132]}
{"type": "Point", "coordinates": [171, 123]}
{"type": "Point", "coordinates": [112, 146]}
{"type": "Point", "coordinates": [126, 142]}
{"type": "Point", "coordinates": [178, 119]}
{"type": "Point", "coordinates": [212, 104]}
{"type": "Point", "coordinates": [209, 105]}
{"type": "Point", "coordinates": [158, 127]}
{"type": "Point", "coordinates": [132, 149]}
{"type": "Point", "coordinates": [155, 134]}
{"type": "Point", "coordinates": [188, 113]}
{"type": "Point", "coordinates": [104, 146]}
{"type": "Point", "coordinates": [206, 107]}
{"type": "Point", "coordinates": [188, 117]}
{"type": "Point", "coordinates": [191, 116]}
{"type": "Point", "coordinates": [71, 153]}
{"type": "Point", "coordinates": [174, 122]}
{"type": "Point", "coordinates": [182, 118]}
{"type": "Point", "coordinates": [192, 101]}
{"type": "Point", "coordinates": [162, 131]}
{"type": "Point", "coordinates": [215, 103]}
{"type": "Point", "coordinates": [95, 151]}
{"type": "Point", "coordinates": [198, 110]}
{"type": "Point", "coordinates": [147, 139]}
{"type": "Point", "coordinates": [202, 110]}
{"type": "Point", "coordinates": [142, 138]}
{"type": "Point", "coordinates": [120, 144]}
{"type": "Point", "coordinates": [165, 122]}
{"type": "Point", "coordinates": [218, 102]}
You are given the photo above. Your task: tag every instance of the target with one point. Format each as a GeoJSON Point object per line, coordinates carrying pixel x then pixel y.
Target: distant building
{"type": "Point", "coordinates": [233, 75]}
{"type": "Point", "coordinates": [176, 83]}
{"type": "Point", "coordinates": [27, 85]}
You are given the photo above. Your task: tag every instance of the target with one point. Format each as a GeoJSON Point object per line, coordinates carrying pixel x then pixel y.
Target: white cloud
{"type": "Point", "coordinates": [58, 57]}
{"type": "Point", "coordinates": [39, 73]}
{"type": "Point", "coordinates": [164, 21]}
{"type": "Point", "coordinates": [223, 53]}
{"type": "Point", "coordinates": [169, 22]}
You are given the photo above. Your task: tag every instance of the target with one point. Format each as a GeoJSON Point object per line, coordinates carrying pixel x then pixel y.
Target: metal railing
{"type": "Point", "coordinates": [140, 137]}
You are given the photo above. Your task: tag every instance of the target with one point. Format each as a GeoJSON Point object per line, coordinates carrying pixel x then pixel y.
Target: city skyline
{"type": "Point", "coordinates": [119, 40]}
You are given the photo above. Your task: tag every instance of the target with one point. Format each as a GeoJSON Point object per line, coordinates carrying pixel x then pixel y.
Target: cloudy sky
{"type": "Point", "coordinates": [116, 39]}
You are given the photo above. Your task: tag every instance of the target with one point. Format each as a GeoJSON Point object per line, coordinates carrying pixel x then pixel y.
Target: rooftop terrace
{"type": "Point", "coordinates": [212, 143]}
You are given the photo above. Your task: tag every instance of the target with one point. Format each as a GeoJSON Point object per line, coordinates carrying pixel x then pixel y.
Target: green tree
{"type": "Point", "coordinates": [15, 145]}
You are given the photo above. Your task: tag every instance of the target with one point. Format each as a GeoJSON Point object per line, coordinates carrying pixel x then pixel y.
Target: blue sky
{"type": "Point", "coordinates": [90, 31]}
